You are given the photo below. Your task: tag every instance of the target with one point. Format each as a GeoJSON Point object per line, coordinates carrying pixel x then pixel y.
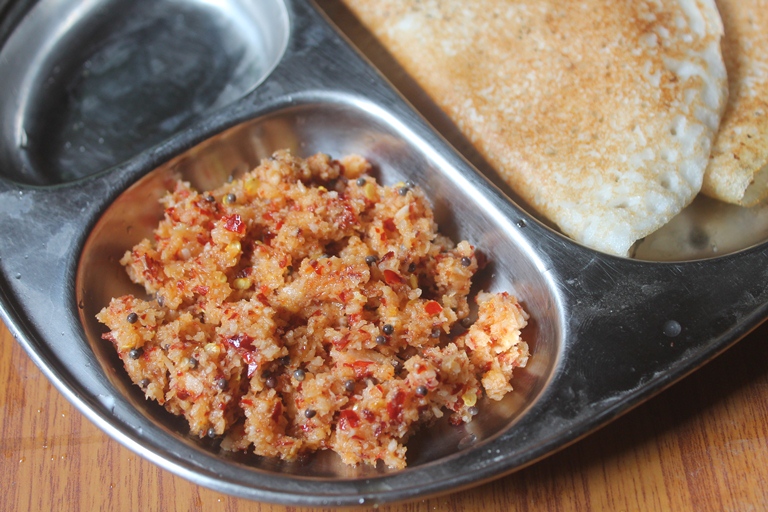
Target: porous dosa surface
{"type": "Point", "coordinates": [599, 113]}
{"type": "Point", "coordinates": [737, 171]}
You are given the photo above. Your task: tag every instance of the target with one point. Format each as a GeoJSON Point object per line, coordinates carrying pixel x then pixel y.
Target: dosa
{"type": "Point", "coordinates": [600, 114]}
{"type": "Point", "coordinates": [738, 170]}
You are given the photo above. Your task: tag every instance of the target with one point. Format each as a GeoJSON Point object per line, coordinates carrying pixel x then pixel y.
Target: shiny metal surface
{"type": "Point", "coordinates": [606, 332]}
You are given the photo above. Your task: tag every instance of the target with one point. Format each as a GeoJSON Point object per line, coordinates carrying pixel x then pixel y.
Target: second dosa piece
{"type": "Point", "coordinates": [738, 170]}
{"type": "Point", "coordinates": [599, 113]}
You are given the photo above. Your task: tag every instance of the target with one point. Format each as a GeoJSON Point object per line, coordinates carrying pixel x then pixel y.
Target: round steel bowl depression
{"type": "Point", "coordinates": [105, 103]}
{"type": "Point", "coordinates": [97, 82]}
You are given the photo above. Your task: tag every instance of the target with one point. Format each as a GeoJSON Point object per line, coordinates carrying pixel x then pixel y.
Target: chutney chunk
{"type": "Point", "coordinates": [494, 341]}
{"type": "Point", "coordinates": [304, 306]}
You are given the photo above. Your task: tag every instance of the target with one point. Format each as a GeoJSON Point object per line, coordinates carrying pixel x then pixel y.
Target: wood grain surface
{"type": "Point", "coordinates": [701, 445]}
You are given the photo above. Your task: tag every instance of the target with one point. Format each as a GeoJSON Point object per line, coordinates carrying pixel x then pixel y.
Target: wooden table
{"type": "Point", "coordinates": [701, 445]}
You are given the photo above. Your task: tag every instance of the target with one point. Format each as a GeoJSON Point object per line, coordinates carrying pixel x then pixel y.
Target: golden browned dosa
{"type": "Point", "coordinates": [599, 113]}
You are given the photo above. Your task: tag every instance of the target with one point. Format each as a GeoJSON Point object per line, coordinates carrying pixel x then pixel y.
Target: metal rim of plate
{"type": "Point", "coordinates": [608, 332]}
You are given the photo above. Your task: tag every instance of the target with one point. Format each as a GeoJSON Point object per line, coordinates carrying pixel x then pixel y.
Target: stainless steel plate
{"type": "Point", "coordinates": [606, 332]}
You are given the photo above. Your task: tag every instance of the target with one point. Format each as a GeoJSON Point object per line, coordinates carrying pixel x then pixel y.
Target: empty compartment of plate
{"type": "Point", "coordinates": [87, 85]}
{"type": "Point", "coordinates": [337, 125]}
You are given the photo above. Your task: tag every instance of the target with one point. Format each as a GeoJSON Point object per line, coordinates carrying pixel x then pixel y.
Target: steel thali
{"type": "Point", "coordinates": [104, 101]}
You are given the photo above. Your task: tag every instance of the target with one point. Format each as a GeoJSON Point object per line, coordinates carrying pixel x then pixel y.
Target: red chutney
{"type": "Point", "coordinates": [304, 306]}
